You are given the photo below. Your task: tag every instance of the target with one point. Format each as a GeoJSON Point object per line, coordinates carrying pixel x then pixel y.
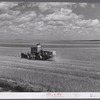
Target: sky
{"type": "Point", "coordinates": [49, 21]}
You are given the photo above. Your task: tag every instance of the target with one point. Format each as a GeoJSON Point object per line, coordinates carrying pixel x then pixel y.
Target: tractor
{"type": "Point", "coordinates": [37, 53]}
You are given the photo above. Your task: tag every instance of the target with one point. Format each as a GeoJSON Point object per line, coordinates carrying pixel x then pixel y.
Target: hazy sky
{"type": "Point", "coordinates": [49, 20]}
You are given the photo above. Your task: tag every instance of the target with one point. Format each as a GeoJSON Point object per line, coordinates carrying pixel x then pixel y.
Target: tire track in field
{"type": "Point", "coordinates": [49, 69]}
{"type": "Point", "coordinates": [49, 64]}
{"type": "Point", "coordinates": [61, 63]}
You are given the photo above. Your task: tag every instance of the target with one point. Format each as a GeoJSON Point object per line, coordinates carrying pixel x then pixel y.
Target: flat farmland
{"type": "Point", "coordinates": [76, 68]}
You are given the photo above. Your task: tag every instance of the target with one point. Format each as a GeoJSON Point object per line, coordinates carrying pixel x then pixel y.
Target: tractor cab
{"type": "Point", "coordinates": [36, 49]}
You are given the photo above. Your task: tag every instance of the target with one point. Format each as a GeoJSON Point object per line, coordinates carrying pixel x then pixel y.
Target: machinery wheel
{"type": "Point", "coordinates": [21, 55]}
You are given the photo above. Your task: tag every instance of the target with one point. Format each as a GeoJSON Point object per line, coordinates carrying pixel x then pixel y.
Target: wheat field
{"type": "Point", "coordinates": [75, 69]}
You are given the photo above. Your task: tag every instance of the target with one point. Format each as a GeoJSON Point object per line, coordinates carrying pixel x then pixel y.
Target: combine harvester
{"type": "Point", "coordinates": [37, 53]}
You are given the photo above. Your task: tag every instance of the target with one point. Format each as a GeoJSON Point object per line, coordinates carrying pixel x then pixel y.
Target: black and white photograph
{"type": "Point", "coordinates": [49, 47]}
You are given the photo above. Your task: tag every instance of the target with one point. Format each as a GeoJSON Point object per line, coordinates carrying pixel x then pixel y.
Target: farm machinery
{"type": "Point", "coordinates": [37, 53]}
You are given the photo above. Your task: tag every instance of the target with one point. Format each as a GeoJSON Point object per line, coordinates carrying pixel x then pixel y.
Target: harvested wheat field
{"type": "Point", "coordinates": [75, 69]}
